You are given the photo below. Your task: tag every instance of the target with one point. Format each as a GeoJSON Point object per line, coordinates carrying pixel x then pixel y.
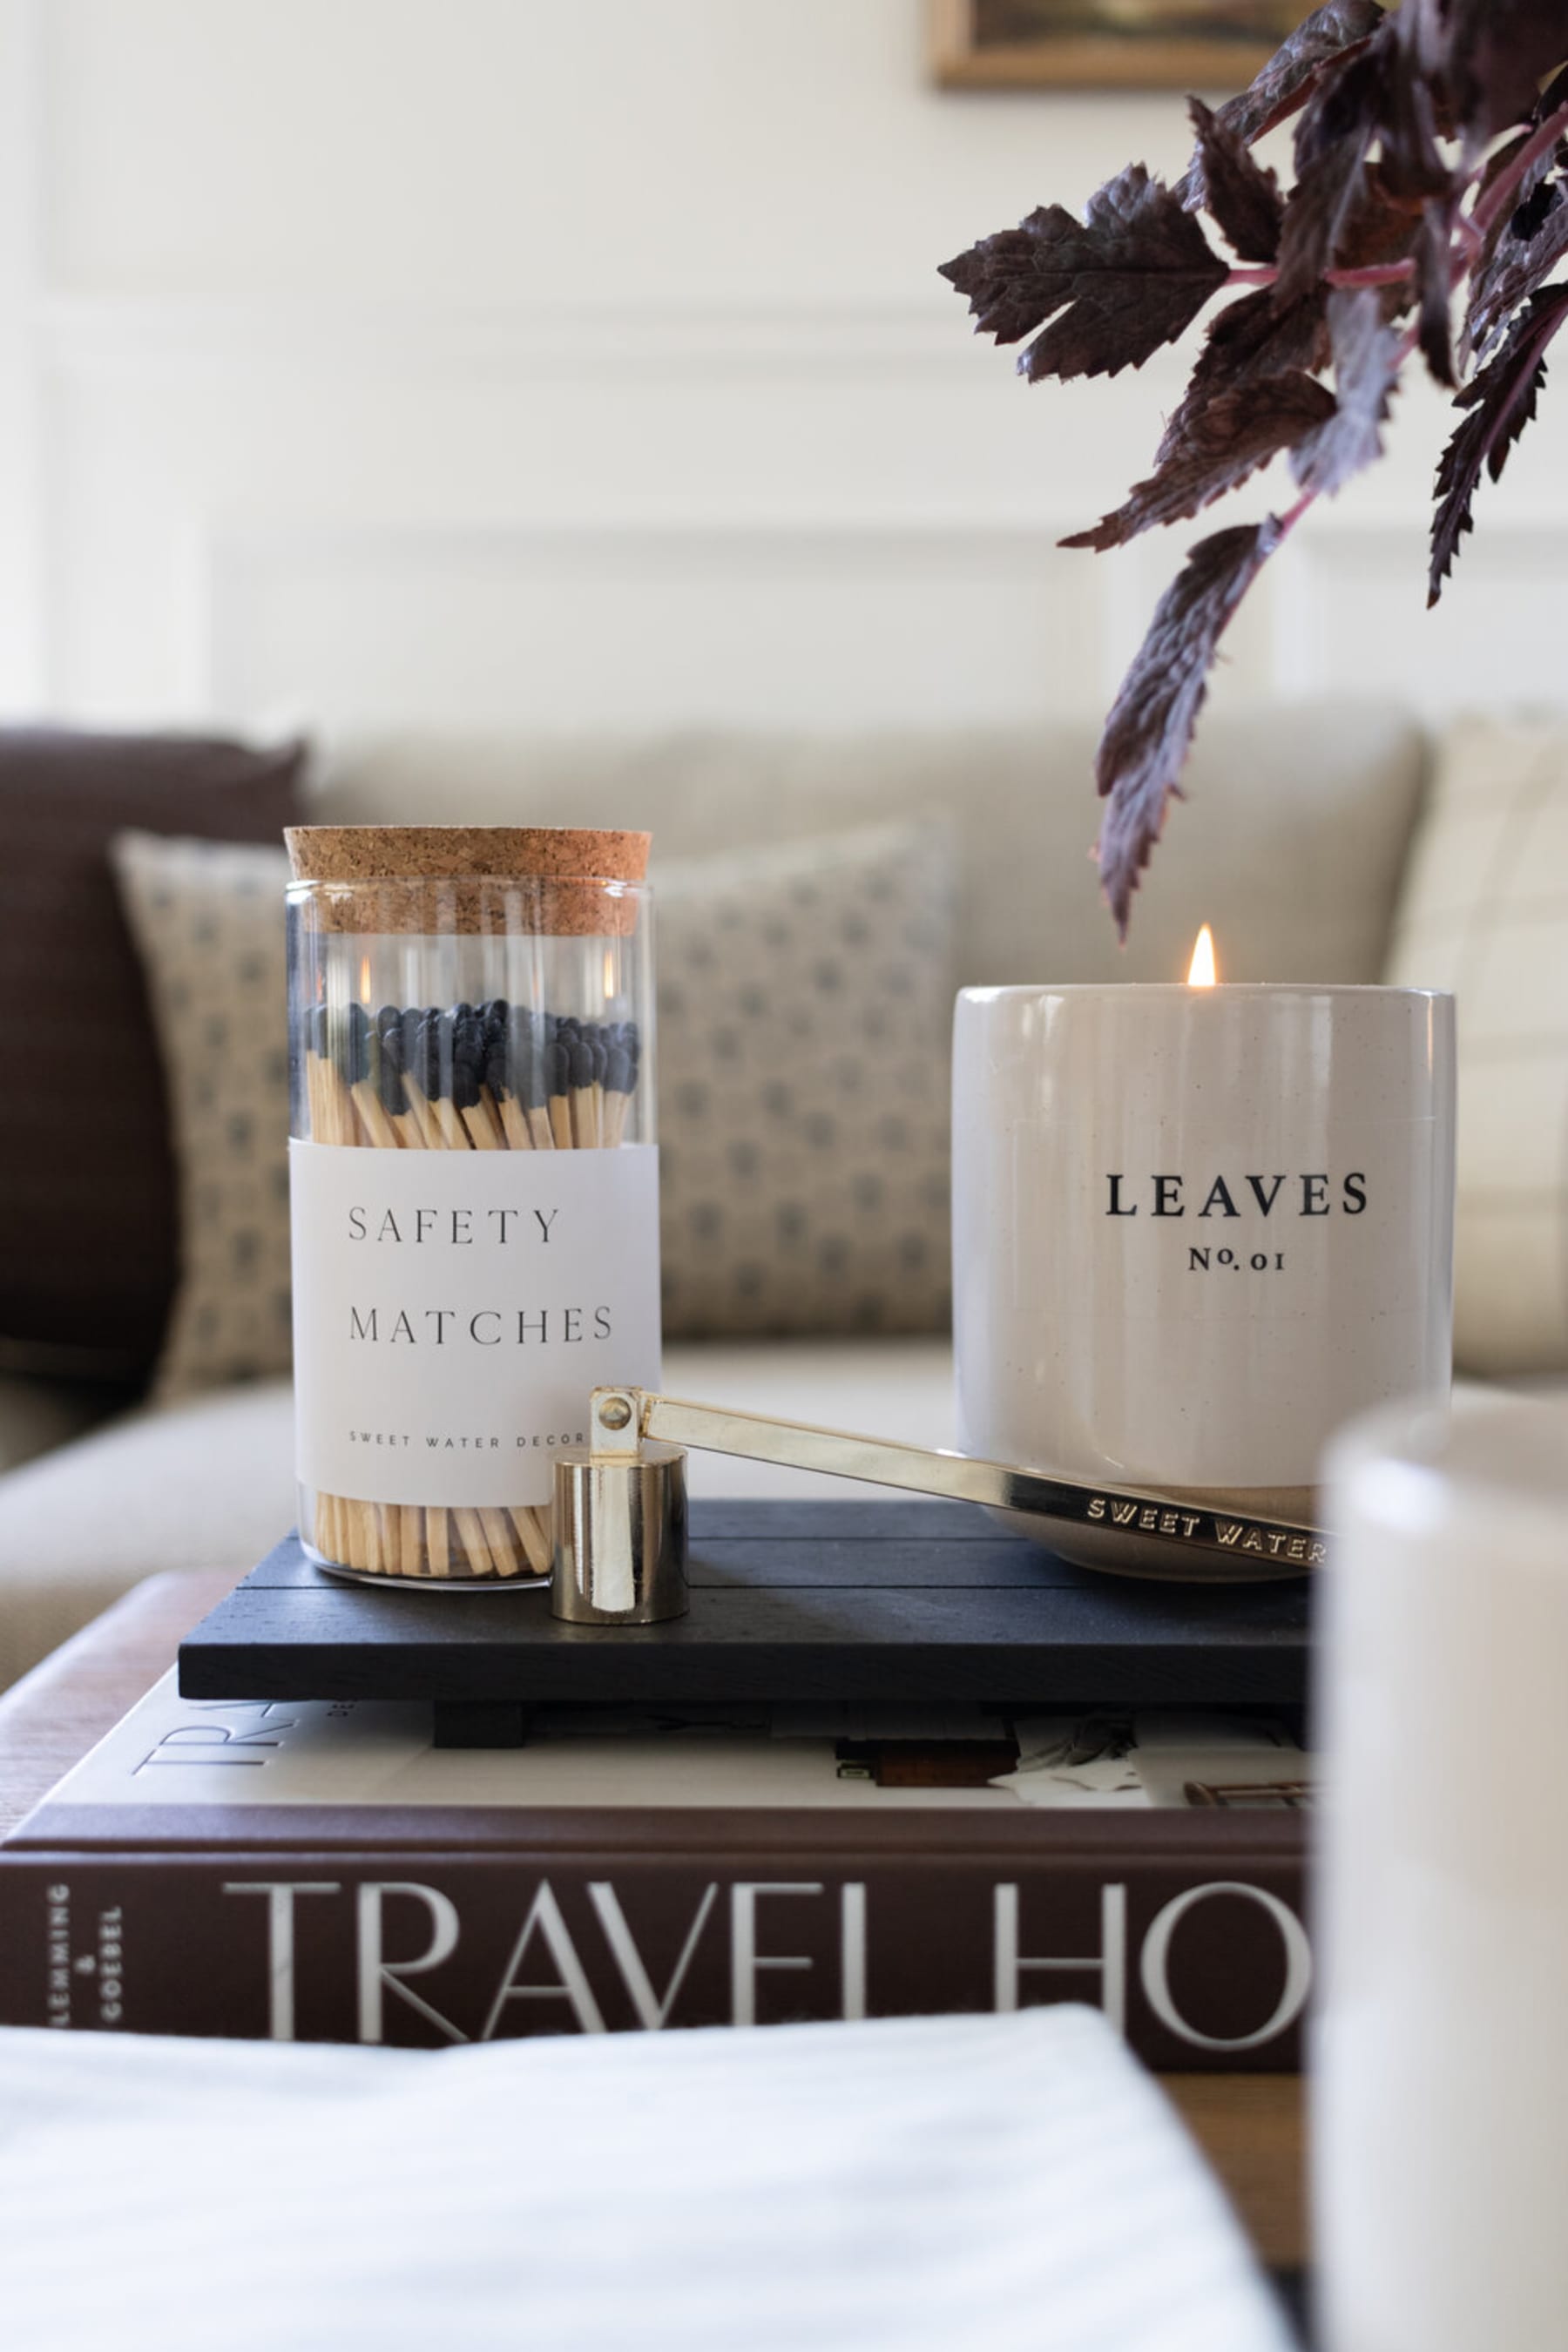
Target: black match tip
{"type": "Point", "coordinates": [354, 1044]}
{"type": "Point", "coordinates": [497, 1070]}
{"type": "Point", "coordinates": [428, 1059]}
{"type": "Point", "coordinates": [389, 1074]}
{"type": "Point", "coordinates": [517, 1051]}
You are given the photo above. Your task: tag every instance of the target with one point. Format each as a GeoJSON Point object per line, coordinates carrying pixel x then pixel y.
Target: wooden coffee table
{"type": "Point", "coordinates": [1251, 2125]}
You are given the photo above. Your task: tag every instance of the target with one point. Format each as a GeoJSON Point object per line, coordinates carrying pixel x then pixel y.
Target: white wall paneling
{"type": "Point", "coordinates": [1358, 623]}
{"type": "Point", "coordinates": [837, 622]}
{"type": "Point", "coordinates": [445, 361]}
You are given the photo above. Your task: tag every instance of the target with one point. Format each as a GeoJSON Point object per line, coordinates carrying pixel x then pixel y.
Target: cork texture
{"type": "Point", "coordinates": [381, 876]}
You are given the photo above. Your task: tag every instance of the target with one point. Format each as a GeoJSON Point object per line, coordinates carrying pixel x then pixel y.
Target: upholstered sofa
{"type": "Point", "coordinates": [1295, 844]}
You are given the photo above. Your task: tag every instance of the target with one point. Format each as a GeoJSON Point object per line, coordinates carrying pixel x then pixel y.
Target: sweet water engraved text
{"type": "Point", "coordinates": [1298, 1549]}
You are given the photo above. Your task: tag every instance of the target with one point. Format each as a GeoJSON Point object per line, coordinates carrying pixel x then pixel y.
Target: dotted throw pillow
{"type": "Point", "coordinates": [805, 1008]}
{"type": "Point", "coordinates": [208, 924]}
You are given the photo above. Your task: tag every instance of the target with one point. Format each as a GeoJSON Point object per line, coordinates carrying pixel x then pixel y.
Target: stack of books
{"type": "Point", "coordinates": [323, 1871]}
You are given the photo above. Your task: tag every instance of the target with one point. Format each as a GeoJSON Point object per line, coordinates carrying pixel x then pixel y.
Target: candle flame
{"type": "Point", "coordinates": [1203, 971]}
{"type": "Point", "coordinates": [365, 979]}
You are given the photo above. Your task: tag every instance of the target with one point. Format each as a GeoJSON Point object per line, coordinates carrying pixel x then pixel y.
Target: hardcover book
{"type": "Point", "coordinates": [321, 1872]}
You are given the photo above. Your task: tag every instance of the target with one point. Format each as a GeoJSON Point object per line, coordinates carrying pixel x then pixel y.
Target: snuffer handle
{"type": "Point", "coordinates": [620, 1557]}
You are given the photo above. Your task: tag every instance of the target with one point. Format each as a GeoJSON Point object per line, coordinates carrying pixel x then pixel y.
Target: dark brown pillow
{"type": "Point", "coordinates": [89, 1236]}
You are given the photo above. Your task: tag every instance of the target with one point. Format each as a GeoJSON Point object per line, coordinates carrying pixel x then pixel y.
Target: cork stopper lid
{"type": "Point", "coordinates": [386, 871]}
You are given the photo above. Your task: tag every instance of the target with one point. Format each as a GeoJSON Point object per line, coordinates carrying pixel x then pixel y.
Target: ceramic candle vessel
{"type": "Point", "coordinates": [1195, 1231]}
{"type": "Point", "coordinates": [1440, 2063]}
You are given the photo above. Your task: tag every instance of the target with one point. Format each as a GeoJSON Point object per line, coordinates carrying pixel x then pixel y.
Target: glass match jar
{"type": "Point", "coordinates": [473, 1179]}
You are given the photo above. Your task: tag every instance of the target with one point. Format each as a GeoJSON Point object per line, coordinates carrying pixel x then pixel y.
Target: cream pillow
{"type": "Point", "coordinates": [805, 999]}
{"type": "Point", "coordinates": [1485, 912]}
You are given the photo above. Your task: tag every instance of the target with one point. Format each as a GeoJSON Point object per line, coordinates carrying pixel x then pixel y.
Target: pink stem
{"type": "Point", "coordinates": [1288, 520]}
{"type": "Point", "coordinates": [1381, 273]}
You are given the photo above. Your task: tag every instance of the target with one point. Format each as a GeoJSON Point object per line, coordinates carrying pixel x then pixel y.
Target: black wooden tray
{"type": "Point", "coordinates": [913, 1602]}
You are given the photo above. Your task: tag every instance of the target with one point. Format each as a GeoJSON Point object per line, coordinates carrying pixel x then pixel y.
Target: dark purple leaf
{"type": "Point", "coordinates": [1504, 162]}
{"type": "Point", "coordinates": [1366, 367]}
{"type": "Point", "coordinates": [1288, 79]}
{"type": "Point", "coordinates": [1333, 141]}
{"type": "Point", "coordinates": [1379, 227]}
{"type": "Point", "coordinates": [1504, 159]}
{"type": "Point", "coordinates": [1533, 212]}
{"type": "Point", "coordinates": [1242, 196]}
{"type": "Point", "coordinates": [1227, 439]}
{"type": "Point", "coordinates": [1150, 731]}
{"type": "Point", "coordinates": [1492, 56]}
{"type": "Point", "coordinates": [1249, 341]}
{"type": "Point", "coordinates": [1416, 170]}
{"type": "Point", "coordinates": [1316, 214]}
{"type": "Point", "coordinates": [1519, 259]}
{"type": "Point", "coordinates": [1010, 280]}
{"type": "Point", "coordinates": [1414, 166]}
{"type": "Point", "coordinates": [1535, 197]}
{"type": "Point", "coordinates": [1435, 290]}
{"type": "Point", "coordinates": [1132, 275]}
{"type": "Point", "coordinates": [1502, 401]}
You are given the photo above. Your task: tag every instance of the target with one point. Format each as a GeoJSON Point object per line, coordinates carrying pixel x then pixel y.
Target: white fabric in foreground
{"type": "Point", "coordinates": [953, 2182]}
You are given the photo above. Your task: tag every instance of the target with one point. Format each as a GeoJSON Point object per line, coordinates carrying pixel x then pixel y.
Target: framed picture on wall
{"type": "Point", "coordinates": [1106, 44]}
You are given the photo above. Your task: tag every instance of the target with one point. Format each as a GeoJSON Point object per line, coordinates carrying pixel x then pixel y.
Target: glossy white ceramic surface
{"type": "Point", "coordinates": [1197, 1230]}
{"type": "Point", "coordinates": [1440, 2121]}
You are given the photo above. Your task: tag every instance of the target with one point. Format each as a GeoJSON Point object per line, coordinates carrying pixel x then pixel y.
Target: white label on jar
{"type": "Point", "coordinates": [453, 1310]}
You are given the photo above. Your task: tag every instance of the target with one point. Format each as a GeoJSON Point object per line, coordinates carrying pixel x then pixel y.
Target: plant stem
{"type": "Point", "coordinates": [1381, 273]}
{"type": "Point", "coordinates": [1288, 520]}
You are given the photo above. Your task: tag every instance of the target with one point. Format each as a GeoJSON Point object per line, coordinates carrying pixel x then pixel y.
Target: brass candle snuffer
{"type": "Point", "coordinates": [620, 1520]}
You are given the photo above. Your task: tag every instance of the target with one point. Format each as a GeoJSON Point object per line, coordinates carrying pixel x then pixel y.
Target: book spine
{"type": "Point", "coordinates": [1202, 1966]}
